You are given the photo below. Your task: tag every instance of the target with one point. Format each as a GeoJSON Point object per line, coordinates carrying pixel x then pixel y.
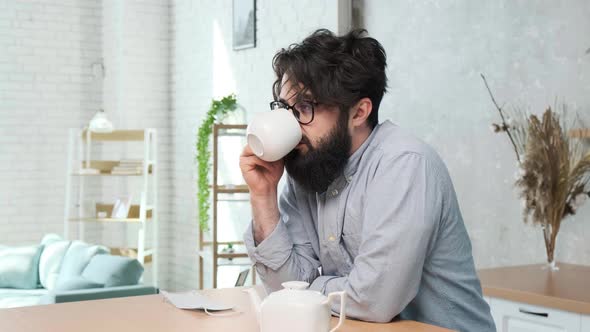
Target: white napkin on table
{"type": "Point", "coordinates": [194, 300]}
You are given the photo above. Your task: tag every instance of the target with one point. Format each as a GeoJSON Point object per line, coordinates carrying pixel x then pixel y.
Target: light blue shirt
{"type": "Point", "coordinates": [389, 232]}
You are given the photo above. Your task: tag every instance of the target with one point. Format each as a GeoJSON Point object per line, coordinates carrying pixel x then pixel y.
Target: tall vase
{"type": "Point", "coordinates": [550, 232]}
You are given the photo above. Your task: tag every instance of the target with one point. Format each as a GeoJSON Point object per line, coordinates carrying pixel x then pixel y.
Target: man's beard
{"type": "Point", "coordinates": [319, 167]}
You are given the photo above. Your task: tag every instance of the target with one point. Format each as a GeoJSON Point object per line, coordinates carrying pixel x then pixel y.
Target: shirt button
{"type": "Point", "coordinates": [331, 238]}
{"type": "Point", "coordinates": [349, 179]}
{"type": "Point", "coordinates": [334, 192]}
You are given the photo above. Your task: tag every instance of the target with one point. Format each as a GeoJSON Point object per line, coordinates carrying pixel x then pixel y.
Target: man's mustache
{"type": "Point", "coordinates": [306, 141]}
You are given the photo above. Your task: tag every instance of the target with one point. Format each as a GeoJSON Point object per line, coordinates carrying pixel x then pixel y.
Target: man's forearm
{"type": "Point", "coordinates": [265, 215]}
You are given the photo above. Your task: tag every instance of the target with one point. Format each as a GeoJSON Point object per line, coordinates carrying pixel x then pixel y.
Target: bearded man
{"type": "Point", "coordinates": [367, 208]}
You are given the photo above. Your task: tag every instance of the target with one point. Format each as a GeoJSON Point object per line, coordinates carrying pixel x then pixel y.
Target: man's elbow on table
{"type": "Point", "coordinates": [377, 310]}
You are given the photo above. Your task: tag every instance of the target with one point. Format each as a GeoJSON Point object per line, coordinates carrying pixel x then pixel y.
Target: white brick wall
{"type": "Point", "coordinates": [46, 86]}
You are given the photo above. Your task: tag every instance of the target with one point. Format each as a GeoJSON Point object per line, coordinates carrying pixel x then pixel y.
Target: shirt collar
{"type": "Point", "coordinates": [352, 164]}
{"type": "Point", "coordinates": [355, 159]}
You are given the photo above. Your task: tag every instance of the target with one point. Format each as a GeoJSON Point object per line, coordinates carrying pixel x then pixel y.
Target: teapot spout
{"type": "Point", "coordinates": [256, 301]}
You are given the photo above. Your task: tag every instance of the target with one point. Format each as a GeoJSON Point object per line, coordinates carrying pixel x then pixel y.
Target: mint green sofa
{"type": "Point", "coordinates": [57, 271]}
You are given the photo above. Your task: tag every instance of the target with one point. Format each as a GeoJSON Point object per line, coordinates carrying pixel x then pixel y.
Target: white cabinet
{"type": "Point", "coordinates": [585, 324]}
{"type": "Point", "coordinates": [519, 317]}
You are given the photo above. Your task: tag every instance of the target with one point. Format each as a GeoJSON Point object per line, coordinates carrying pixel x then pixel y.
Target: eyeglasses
{"type": "Point", "coordinates": [303, 110]}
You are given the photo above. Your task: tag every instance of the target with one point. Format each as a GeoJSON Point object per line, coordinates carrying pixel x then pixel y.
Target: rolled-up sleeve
{"type": "Point", "coordinates": [286, 254]}
{"type": "Point", "coordinates": [400, 217]}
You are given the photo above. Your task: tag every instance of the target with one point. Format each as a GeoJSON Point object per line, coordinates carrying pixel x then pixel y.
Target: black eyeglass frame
{"type": "Point", "coordinates": [275, 104]}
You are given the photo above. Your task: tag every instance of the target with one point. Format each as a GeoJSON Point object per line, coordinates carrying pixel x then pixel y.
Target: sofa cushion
{"type": "Point", "coordinates": [76, 258]}
{"type": "Point", "coordinates": [76, 283]}
{"type": "Point", "coordinates": [50, 262]}
{"type": "Point", "coordinates": [50, 238]}
{"type": "Point", "coordinates": [11, 298]}
{"type": "Point", "coordinates": [19, 266]}
{"type": "Point", "coordinates": [113, 271]}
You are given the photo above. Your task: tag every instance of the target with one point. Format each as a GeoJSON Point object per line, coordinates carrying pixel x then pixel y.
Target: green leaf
{"type": "Point", "coordinates": [218, 109]}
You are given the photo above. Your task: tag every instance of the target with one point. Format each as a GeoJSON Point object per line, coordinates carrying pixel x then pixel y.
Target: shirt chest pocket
{"type": "Point", "coordinates": [351, 232]}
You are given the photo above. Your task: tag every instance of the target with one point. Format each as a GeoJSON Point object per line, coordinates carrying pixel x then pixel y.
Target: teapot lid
{"type": "Point", "coordinates": [297, 285]}
{"type": "Point", "coordinates": [295, 293]}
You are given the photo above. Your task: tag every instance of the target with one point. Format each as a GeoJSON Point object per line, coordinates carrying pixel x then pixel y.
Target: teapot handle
{"type": "Point", "coordinates": [342, 307]}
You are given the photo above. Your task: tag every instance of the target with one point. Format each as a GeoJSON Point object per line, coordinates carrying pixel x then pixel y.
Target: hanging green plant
{"type": "Point", "coordinates": [218, 109]}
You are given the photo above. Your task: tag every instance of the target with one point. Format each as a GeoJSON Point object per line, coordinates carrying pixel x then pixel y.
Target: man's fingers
{"type": "Point", "coordinates": [250, 159]}
{"type": "Point", "coordinates": [251, 162]}
{"type": "Point", "coordinates": [247, 151]}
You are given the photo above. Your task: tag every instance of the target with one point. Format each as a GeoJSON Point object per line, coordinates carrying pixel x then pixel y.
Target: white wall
{"type": "Point", "coordinates": [531, 52]}
{"type": "Point", "coordinates": [136, 52]}
{"type": "Point", "coordinates": [46, 86]}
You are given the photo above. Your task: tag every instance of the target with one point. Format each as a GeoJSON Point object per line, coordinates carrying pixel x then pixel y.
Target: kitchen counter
{"type": "Point", "coordinates": [567, 289]}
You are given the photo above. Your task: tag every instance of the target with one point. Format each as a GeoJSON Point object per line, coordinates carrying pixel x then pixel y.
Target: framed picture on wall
{"type": "Point", "coordinates": [244, 24]}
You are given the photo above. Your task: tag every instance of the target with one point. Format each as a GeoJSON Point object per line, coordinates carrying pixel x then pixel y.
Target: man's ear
{"type": "Point", "coordinates": [360, 112]}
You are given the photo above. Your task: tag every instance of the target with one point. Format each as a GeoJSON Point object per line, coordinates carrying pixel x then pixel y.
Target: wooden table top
{"type": "Point", "coordinates": [151, 313]}
{"type": "Point", "coordinates": [566, 289]}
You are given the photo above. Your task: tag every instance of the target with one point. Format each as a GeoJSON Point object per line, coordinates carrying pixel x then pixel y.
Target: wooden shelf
{"type": "Point", "coordinates": [233, 255]}
{"type": "Point", "coordinates": [580, 133]}
{"type": "Point", "coordinates": [107, 174]}
{"type": "Point", "coordinates": [132, 253]}
{"type": "Point", "coordinates": [209, 254]}
{"type": "Point", "coordinates": [106, 166]}
{"type": "Point", "coordinates": [208, 243]}
{"type": "Point", "coordinates": [117, 136]}
{"type": "Point", "coordinates": [229, 189]}
{"type": "Point", "coordinates": [132, 216]}
{"type": "Point", "coordinates": [129, 220]}
{"type": "Point", "coordinates": [227, 126]}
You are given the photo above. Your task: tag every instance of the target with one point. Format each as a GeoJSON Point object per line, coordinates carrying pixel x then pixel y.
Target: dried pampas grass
{"type": "Point", "coordinates": [555, 169]}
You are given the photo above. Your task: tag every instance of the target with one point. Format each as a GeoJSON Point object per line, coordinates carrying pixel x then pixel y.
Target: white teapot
{"type": "Point", "coordinates": [296, 309]}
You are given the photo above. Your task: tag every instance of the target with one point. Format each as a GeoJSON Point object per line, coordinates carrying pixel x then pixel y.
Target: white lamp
{"type": "Point", "coordinates": [100, 123]}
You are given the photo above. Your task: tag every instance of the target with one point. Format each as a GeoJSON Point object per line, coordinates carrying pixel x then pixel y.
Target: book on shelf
{"type": "Point", "coordinates": [128, 167]}
{"type": "Point", "coordinates": [130, 162]}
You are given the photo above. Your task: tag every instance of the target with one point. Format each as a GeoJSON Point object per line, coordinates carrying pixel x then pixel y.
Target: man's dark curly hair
{"type": "Point", "coordinates": [336, 70]}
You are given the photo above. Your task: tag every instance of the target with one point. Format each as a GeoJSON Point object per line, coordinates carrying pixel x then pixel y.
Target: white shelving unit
{"type": "Point", "coordinates": [79, 152]}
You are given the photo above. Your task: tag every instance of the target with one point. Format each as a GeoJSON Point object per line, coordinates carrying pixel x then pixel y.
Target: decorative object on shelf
{"type": "Point", "coordinates": [121, 207]}
{"type": "Point", "coordinates": [244, 24]}
{"type": "Point", "coordinates": [554, 171]}
{"type": "Point", "coordinates": [100, 123]}
{"type": "Point", "coordinates": [219, 108]}
{"type": "Point", "coordinates": [229, 249]}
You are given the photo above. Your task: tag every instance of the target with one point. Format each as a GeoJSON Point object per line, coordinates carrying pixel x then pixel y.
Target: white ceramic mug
{"type": "Point", "coordinates": [272, 135]}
